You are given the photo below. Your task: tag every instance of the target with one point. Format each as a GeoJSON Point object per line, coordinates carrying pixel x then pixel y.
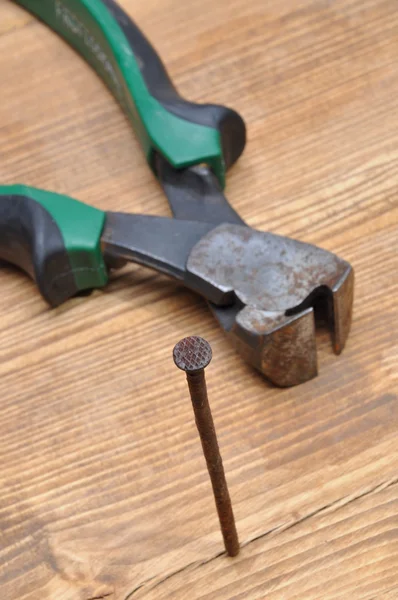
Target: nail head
{"type": "Point", "coordinates": [192, 354]}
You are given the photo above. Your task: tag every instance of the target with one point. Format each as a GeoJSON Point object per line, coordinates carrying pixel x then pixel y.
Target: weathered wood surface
{"type": "Point", "coordinates": [103, 488]}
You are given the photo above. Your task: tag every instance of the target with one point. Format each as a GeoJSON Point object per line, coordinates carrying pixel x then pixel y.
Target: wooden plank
{"type": "Point", "coordinates": [347, 550]}
{"type": "Point", "coordinates": [103, 489]}
{"type": "Point", "coordinates": [12, 18]}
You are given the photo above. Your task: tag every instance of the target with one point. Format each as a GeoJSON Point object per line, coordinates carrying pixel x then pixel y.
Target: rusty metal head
{"type": "Point", "coordinates": [192, 354]}
{"type": "Point", "coordinates": [266, 289]}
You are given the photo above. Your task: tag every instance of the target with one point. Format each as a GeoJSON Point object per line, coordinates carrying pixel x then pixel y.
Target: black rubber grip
{"type": "Point", "coordinates": [31, 240]}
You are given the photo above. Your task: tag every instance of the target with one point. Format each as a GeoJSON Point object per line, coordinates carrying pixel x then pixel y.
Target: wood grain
{"type": "Point", "coordinates": [103, 488]}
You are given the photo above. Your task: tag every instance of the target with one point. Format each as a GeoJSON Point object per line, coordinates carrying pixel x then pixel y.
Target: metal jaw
{"type": "Point", "coordinates": [263, 289]}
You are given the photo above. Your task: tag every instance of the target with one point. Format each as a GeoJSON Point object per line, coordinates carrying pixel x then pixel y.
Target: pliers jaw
{"type": "Point", "coordinates": [268, 287]}
{"type": "Point", "coordinates": [282, 346]}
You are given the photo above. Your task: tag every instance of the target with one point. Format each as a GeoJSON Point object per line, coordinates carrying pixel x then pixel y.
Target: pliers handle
{"type": "Point", "coordinates": [57, 240]}
{"type": "Point", "coordinates": [67, 246]}
{"type": "Point", "coordinates": [183, 133]}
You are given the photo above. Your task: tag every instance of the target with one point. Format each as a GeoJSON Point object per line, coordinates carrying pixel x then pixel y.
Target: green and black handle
{"type": "Point", "coordinates": [53, 238]}
{"type": "Point", "coordinates": [56, 239]}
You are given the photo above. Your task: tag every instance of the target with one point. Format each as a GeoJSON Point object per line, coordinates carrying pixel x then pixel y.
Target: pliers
{"type": "Point", "coordinates": [261, 287]}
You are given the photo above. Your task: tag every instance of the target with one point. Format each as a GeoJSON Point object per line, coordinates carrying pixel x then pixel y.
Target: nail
{"type": "Point", "coordinates": [192, 355]}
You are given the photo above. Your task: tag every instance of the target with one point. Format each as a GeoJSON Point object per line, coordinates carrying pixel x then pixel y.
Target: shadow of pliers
{"type": "Point", "coordinates": [261, 287]}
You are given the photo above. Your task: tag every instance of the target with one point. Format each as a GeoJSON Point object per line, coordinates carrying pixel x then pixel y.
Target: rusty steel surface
{"type": "Point", "coordinates": [192, 355]}
{"type": "Point", "coordinates": [272, 284]}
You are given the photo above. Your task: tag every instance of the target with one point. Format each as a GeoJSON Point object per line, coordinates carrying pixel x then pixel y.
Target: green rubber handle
{"type": "Point", "coordinates": [184, 133]}
{"type": "Point", "coordinates": [55, 239]}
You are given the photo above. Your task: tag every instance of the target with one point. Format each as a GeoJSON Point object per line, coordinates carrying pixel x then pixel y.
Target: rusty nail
{"type": "Point", "coordinates": [192, 355]}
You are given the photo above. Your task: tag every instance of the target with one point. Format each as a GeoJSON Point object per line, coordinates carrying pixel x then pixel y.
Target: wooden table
{"type": "Point", "coordinates": [104, 491]}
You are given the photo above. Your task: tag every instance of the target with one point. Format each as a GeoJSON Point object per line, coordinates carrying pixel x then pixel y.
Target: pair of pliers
{"type": "Point", "coordinates": [67, 246]}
